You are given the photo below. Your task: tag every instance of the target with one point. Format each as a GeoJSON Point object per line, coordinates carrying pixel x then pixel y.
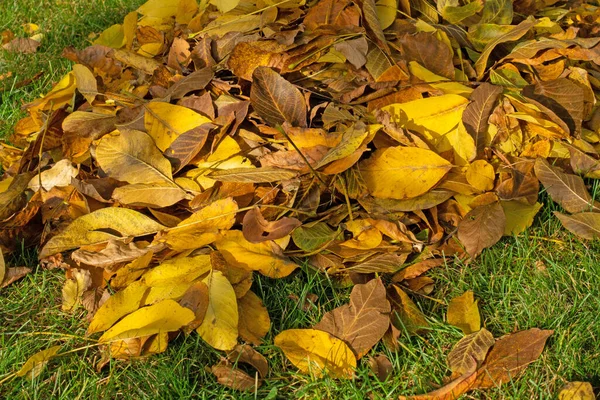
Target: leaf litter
{"type": "Point", "coordinates": [195, 145]}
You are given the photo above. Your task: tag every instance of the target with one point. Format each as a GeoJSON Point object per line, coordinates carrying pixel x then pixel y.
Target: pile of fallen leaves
{"type": "Point", "coordinates": [193, 145]}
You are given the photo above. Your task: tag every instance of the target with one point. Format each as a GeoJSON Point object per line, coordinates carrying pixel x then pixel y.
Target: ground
{"type": "Point", "coordinates": [545, 278]}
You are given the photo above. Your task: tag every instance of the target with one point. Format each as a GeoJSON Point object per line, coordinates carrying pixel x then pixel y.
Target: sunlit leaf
{"type": "Point", "coordinates": [317, 352]}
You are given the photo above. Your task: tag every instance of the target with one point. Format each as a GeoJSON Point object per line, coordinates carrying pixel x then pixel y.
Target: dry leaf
{"type": "Point", "coordinates": [363, 322]}
{"type": "Point", "coordinates": [510, 356]}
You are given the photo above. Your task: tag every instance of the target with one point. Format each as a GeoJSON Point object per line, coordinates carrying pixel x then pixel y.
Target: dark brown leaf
{"type": "Point", "coordinates": [257, 229]}
{"type": "Point", "coordinates": [188, 145]}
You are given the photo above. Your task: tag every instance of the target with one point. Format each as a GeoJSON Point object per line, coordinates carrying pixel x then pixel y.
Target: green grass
{"type": "Point", "coordinates": [63, 23]}
{"type": "Point", "coordinates": [547, 279]}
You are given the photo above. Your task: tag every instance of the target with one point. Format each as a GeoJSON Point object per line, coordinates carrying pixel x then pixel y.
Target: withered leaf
{"type": "Point", "coordinates": [275, 99]}
{"type": "Point", "coordinates": [568, 190]}
{"type": "Point", "coordinates": [563, 97]}
{"type": "Point", "coordinates": [482, 227]}
{"type": "Point", "coordinates": [188, 145]}
{"type": "Point", "coordinates": [247, 355]}
{"type": "Point", "coordinates": [584, 224]}
{"type": "Point", "coordinates": [428, 51]}
{"type": "Point", "coordinates": [510, 356]}
{"type": "Point", "coordinates": [234, 378]}
{"type": "Point", "coordinates": [364, 321]}
{"type": "Point", "coordinates": [257, 229]}
{"type": "Point", "coordinates": [381, 366]}
{"type": "Point", "coordinates": [475, 117]}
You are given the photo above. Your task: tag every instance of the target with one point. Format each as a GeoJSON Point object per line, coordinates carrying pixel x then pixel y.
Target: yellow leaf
{"type": "Point", "coordinates": [577, 391]}
{"type": "Point", "coordinates": [386, 12]}
{"type": "Point", "coordinates": [92, 229]}
{"type": "Point", "coordinates": [426, 75]}
{"type": "Point", "coordinates": [464, 313]}
{"type": "Point", "coordinates": [519, 216]}
{"type": "Point", "coordinates": [60, 95]}
{"type": "Point", "coordinates": [159, 8]}
{"type": "Point", "coordinates": [85, 82]}
{"type": "Point", "coordinates": [203, 226]}
{"type": "Point", "coordinates": [73, 289]}
{"type": "Point", "coordinates": [117, 306]}
{"type": "Point", "coordinates": [403, 172]}
{"type": "Point", "coordinates": [177, 270]}
{"type": "Point", "coordinates": [129, 26]}
{"type": "Point", "coordinates": [166, 316]}
{"type": "Point", "coordinates": [462, 144]}
{"type": "Point", "coordinates": [158, 194]}
{"type": "Point", "coordinates": [113, 36]}
{"type": "Point", "coordinates": [254, 321]}
{"type": "Point", "coordinates": [164, 122]}
{"type": "Point", "coordinates": [220, 325]}
{"type": "Point", "coordinates": [31, 28]}
{"type": "Point", "coordinates": [481, 175]}
{"type": "Point", "coordinates": [225, 157]}
{"type": "Point", "coordinates": [265, 257]}
{"type": "Point", "coordinates": [59, 175]}
{"type": "Point", "coordinates": [173, 292]}
{"type": "Point", "coordinates": [432, 114]}
{"type": "Point", "coordinates": [317, 352]}
{"type": "Point", "coordinates": [186, 9]}
{"type": "Point", "coordinates": [225, 5]}
{"type": "Point", "coordinates": [34, 364]}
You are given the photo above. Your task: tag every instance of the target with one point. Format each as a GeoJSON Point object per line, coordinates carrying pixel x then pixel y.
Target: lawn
{"type": "Point", "coordinates": [545, 278]}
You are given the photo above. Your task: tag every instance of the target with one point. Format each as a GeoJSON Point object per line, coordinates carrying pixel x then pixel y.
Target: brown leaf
{"type": "Point", "coordinates": [233, 377]}
{"type": "Point", "coordinates": [257, 229]}
{"type": "Point", "coordinates": [246, 354]}
{"type": "Point", "coordinates": [13, 274]}
{"type": "Point", "coordinates": [275, 99]}
{"type": "Point", "coordinates": [115, 252]}
{"type": "Point", "coordinates": [510, 356]}
{"type": "Point", "coordinates": [338, 13]}
{"type": "Point", "coordinates": [584, 224]}
{"type": "Point", "coordinates": [364, 321]}
{"type": "Point", "coordinates": [22, 45]}
{"type": "Point", "coordinates": [475, 117]}
{"type": "Point", "coordinates": [381, 366]}
{"type": "Point", "coordinates": [372, 25]}
{"type": "Point", "coordinates": [429, 52]}
{"type": "Point", "coordinates": [188, 145]}
{"type": "Point", "coordinates": [568, 190]}
{"type": "Point", "coordinates": [451, 391]}
{"type": "Point", "coordinates": [89, 124]}
{"type": "Point", "coordinates": [563, 97]}
{"type": "Point", "coordinates": [197, 80]}
{"type": "Point", "coordinates": [481, 228]}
